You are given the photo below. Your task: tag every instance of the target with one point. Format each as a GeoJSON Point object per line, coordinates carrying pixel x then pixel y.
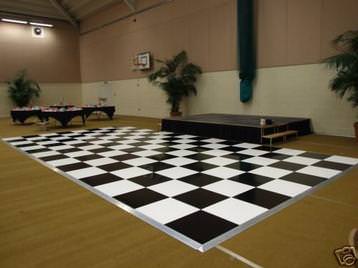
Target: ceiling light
{"type": "Point", "coordinates": [41, 24]}
{"type": "Point", "coordinates": [14, 21]}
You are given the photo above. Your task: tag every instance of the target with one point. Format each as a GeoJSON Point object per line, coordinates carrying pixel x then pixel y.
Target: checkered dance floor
{"type": "Point", "coordinates": [199, 190]}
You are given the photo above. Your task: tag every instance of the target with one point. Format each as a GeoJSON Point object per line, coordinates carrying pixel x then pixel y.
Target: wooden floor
{"type": "Point", "coordinates": [47, 220]}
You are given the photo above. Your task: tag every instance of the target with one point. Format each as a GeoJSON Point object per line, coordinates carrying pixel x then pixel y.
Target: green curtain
{"type": "Point", "coordinates": [246, 48]}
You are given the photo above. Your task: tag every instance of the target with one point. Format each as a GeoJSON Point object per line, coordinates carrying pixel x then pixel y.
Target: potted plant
{"type": "Point", "coordinates": [22, 90]}
{"type": "Point", "coordinates": [177, 78]}
{"type": "Point", "coordinates": [346, 64]}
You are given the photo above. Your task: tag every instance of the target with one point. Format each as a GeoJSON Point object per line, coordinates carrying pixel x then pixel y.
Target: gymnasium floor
{"type": "Point", "coordinates": [47, 220]}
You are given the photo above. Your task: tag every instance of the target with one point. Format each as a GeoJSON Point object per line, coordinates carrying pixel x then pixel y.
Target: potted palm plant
{"type": "Point", "coordinates": [345, 83]}
{"type": "Point", "coordinates": [177, 77]}
{"type": "Point", "coordinates": [22, 90]}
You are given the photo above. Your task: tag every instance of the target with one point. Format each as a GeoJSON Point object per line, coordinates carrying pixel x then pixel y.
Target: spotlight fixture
{"type": "Point", "coordinates": [37, 31]}
{"type": "Point", "coordinates": [41, 24]}
{"type": "Point", "coordinates": [15, 21]}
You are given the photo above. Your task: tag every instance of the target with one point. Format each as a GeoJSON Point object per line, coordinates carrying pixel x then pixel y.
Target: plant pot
{"type": "Point", "coordinates": [356, 130]}
{"type": "Point", "coordinates": [173, 114]}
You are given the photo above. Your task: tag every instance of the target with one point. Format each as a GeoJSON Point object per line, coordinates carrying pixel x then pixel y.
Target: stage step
{"type": "Point", "coordinates": [283, 134]}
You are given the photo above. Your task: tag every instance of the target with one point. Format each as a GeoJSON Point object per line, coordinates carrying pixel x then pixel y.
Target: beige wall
{"type": "Point", "coordinates": [298, 91]}
{"type": "Point", "coordinates": [289, 32]}
{"type": "Point", "coordinates": [53, 61]}
{"type": "Point", "coordinates": [51, 93]}
{"type": "Point", "coordinates": [54, 58]}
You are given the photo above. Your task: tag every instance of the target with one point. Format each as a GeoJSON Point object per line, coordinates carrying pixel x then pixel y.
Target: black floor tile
{"type": "Point", "coordinates": [276, 156]}
{"type": "Point", "coordinates": [114, 166]}
{"type": "Point", "coordinates": [88, 157]}
{"type": "Point", "coordinates": [199, 156]}
{"type": "Point", "coordinates": [149, 179]}
{"type": "Point", "coordinates": [243, 166]}
{"type": "Point", "coordinates": [287, 165]}
{"type": "Point", "coordinates": [101, 150]}
{"type": "Point", "coordinates": [101, 179]}
{"type": "Point", "coordinates": [267, 148]}
{"type": "Point", "coordinates": [314, 155]}
{"type": "Point", "coordinates": [157, 166]}
{"type": "Point", "coordinates": [161, 157]}
{"type": "Point", "coordinates": [75, 166]}
{"type": "Point", "coordinates": [201, 226]}
{"type": "Point", "coordinates": [200, 198]}
{"type": "Point", "coordinates": [262, 198]}
{"type": "Point", "coordinates": [71, 150]}
{"type": "Point", "coordinates": [53, 157]}
{"type": "Point", "coordinates": [199, 166]}
{"type": "Point", "coordinates": [251, 179]}
{"type": "Point", "coordinates": [124, 157]}
{"type": "Point", "coordinates": [200, 179]}
{"type": "Point", "coordinates": [140, 198]}
{"type": "Point", "coordinates": [237, 156]}
{"type": "Point", "coordinates": [332, 165]}
{"type": "Point", "coordinates": [308, 180]}
{"type": "Point", "coordinates": [38, 151]}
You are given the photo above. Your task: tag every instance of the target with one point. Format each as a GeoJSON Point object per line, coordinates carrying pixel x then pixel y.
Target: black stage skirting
{"type": "Point", "coordinates": [234, 127]}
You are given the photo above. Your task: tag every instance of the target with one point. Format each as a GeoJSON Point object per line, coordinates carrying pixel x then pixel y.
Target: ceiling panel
{"type": "Point", "coordinates": [78, 9]}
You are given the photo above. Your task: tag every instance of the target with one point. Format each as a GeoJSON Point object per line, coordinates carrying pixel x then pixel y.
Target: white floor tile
{"type": "Point", "coordinates": [121, 147]}
{"type": "Point", "coordinates": [289, 151]}
{"type": "Point", "coordinates": [85, 172]}
{"type": "Point", "coordinates": [112, 153]}
{"type": "Point", "coordinates": [118, 187]}
{"type": "Point", "coordinates": [35, 147]}
{"type": "Point", "coordinates": [214, 146]}
{"type": "Point", "coordinates": [223, 172]}
{"type": "Point", "coordinates": [285, 187]}
{"type": "Point", "coordinates": [319, 172]}
{"type": "Point", "coordinates": [78, 154]}
{"type": "Point", "coordinates": [263, 161]}
{"type": "Point", "coordinates": [186, 136]}
{"type": "Point", "coordinates": [146, 153]}
{"type": "Point", "coordinates": [151, 147]}
{"type": "Point", "coordinates": [167, 210]}
{"type": "Point", "coordinates": [247, 145]}
{"type": "Point", "coordinates": [181, 153]}
{"type": "Point", "coordinates": [213, 140]}
{"type": "Point", "coordinates": [172, 188]}
{"type": "Point", "coordinates": [343, 160]}
{"type": "Point", "coordinates": [217, 152]}
{"type": "Point", "coordinates": [271, 172]}
{"type": "Point", "coordinates": [219, 161]}
{"type": "Point", "coordinates": [184, 141]}
{"type": "Point", "coordinates": [44, 154]}
{"type": "Point", "coordinates": [62, 162]}
{"type": "Point", "coordinates": [140, 161]}
{"type": "Point", "coordinates": [253, 152]}
{"type": "Point", "coordinates": [132, 172]}
{"type": "Point", "coordinates": [302, 160]}
{"type": "Point", "coordinates": [228, 188]}
{"type": "Point", "coordinates": [101, 162]}
{"type": "Point", "coordinates": [183, 146]}
{"type": "Point", "coordinates": [236, 211]}
{"type": "Point", "coordinates": [91, 147]}
{"type": "Point", "coordinates": [179, 161]}
{"type": "Point", "coordinates": [176, 172]}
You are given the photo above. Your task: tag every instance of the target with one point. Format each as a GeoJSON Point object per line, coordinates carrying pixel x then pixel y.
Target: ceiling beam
{"type": "Point", "coordinates": [65, 13]}
{"type": "Point", "coordinates": [131, 4]}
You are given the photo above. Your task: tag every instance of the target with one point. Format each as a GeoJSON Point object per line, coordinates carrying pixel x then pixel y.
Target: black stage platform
{"type": "Point", "coordinates": [234, 127]}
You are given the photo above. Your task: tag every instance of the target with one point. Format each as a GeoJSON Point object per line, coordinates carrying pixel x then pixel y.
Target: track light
{"type": "Point", "coordinates": [41, 24]}
{"type": "Point", "coordinates": [15, 21]}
